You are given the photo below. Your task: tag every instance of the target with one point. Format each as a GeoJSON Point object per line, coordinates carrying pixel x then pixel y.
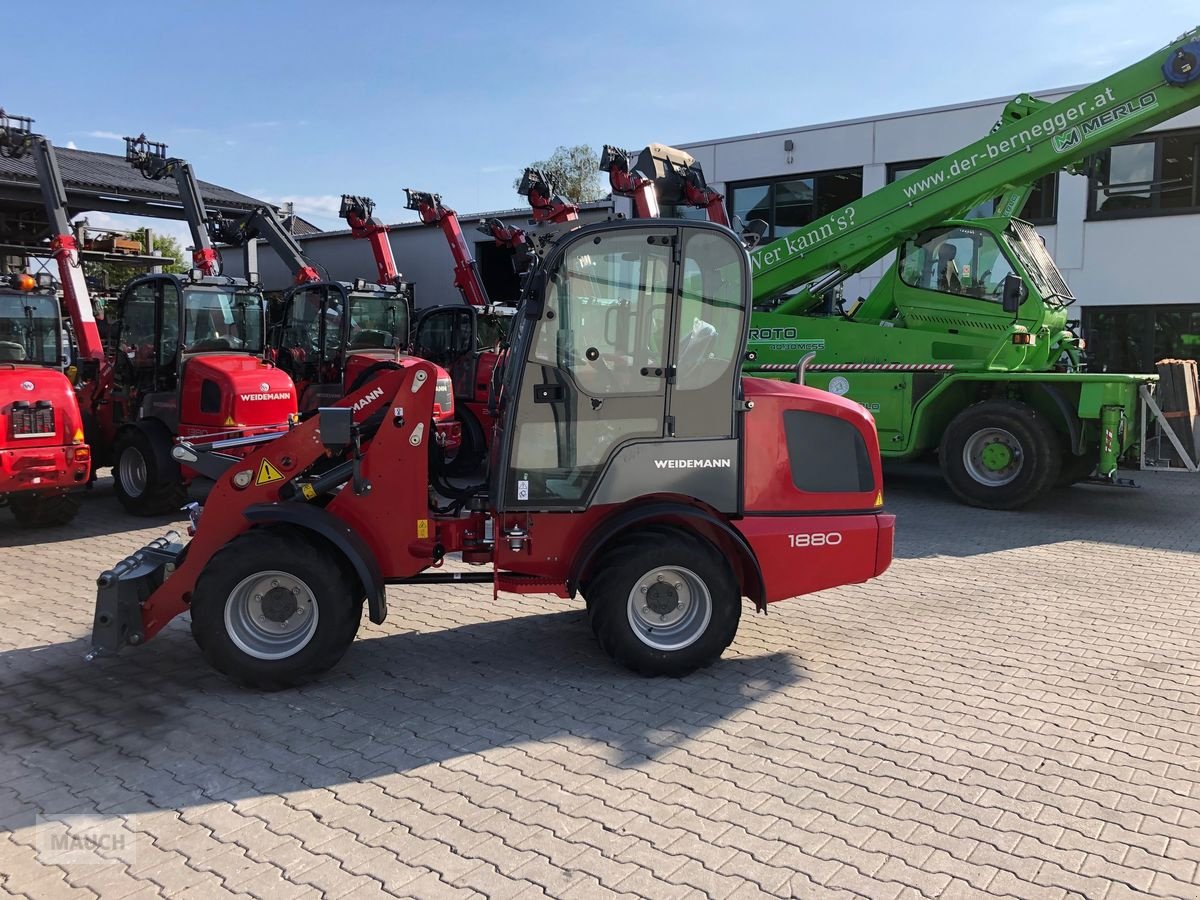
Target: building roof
{"type": "Point", "coordinates": [903, 114]}
{"type": "Point", "coordinates": [103, 182]}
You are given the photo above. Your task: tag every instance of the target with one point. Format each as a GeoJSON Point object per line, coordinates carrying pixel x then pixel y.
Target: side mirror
{"type": "Point", "coordinates": [753, 233]}
{"type": "Point", "coordinates": [336, 424]}
{"type": "Point", "coordinates": [1013, 295]}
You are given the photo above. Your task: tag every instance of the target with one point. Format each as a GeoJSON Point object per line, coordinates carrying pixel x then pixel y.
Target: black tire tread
{"type": "Point", "coordinates": [44, 511]}
{"type": "Point", "coordinates": [162, 494]}
{"type": "Point", "coordinates": [1043, 457]}
{"type": "Point", "coordinates": [236, 560]}
{"type": "Point", "coordinates": [624, 562]}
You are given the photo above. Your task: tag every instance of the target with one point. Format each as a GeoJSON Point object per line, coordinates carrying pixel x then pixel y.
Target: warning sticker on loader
{"type": "Point", "coordinates": [422, 529]}
{"type": "Point", "coordinates": [267, 474]}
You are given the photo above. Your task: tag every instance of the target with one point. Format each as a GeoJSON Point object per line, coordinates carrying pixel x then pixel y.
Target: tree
{"type": "Point", "coordinates": [115, 274]}
{"type": "Point", "coordinates": [574, 172]}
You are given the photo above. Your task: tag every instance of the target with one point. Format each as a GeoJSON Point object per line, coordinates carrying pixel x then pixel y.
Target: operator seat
{"type": "Point", "coordinates": [11, 351]}
{"type": "Point", "coordinates": [948, 279]}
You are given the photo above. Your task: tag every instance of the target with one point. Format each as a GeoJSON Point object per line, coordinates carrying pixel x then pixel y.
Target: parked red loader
{"type": "Point", "coordinates": [632, 465]}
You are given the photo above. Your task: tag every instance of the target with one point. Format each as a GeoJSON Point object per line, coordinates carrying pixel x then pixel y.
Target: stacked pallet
{"type": "Point", "coordinates": [1178, 396]}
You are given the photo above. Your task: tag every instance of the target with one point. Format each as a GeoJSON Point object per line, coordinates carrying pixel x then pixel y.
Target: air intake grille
{"type": "Point", "coordinates": [31, 420]}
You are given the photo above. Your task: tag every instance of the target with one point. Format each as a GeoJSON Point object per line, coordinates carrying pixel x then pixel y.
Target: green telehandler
{"type": "Point", "coordinates": [963, 346]}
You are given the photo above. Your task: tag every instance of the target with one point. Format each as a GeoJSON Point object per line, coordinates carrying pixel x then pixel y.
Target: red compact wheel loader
{"type": "Point", "coordinates": [633, 465]}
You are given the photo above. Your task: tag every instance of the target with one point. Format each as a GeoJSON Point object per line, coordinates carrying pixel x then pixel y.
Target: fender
{"type": "Point", "coordinates": [318, 521]}
{"type": "Point", "coordinates": [667, 511]}
{"type": "Point", "coordinates": [1070, 417]}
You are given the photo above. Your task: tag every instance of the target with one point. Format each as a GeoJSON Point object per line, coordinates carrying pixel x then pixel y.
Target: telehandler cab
{"type": "Point", "coordinates": [634, 465]}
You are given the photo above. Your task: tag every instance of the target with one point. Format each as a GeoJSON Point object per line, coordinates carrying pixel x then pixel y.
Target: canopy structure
{"type": "Point", "coordinates": [100, 182]}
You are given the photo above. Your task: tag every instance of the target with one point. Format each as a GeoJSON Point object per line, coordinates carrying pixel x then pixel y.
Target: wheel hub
{"type": "Point", "coordinates": [662, 598]}
{"type": "Point", "coordinates": [278, 604]}
{"type": "Point", "coordinates": [271, 615]}
{"type": "Point", "coordinates": [997, 456]}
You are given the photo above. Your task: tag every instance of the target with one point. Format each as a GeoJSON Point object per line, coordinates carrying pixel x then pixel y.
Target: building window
{"type": "Point", "coordinates": [793, 201]}
{"type": "Point", "coordinates": [1040, 209]}
{"type": "Point", "coordinates": [1135, 338]}
{"type": "Point", "coordinates": [1154, 175]}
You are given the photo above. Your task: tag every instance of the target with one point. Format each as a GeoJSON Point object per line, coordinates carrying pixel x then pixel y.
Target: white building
{"type": "Point", "coordinates": [1128, 259]}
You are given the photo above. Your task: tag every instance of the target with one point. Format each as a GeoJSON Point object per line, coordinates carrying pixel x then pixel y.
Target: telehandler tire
{"type": "Point", "coordinates": [471, 451]}
{"type": "Point", "coordinates": [49, 511]}
{"type": "Point", "coordinates": [1000, 454]}
{"type": "Point", "coordinates": [274, 608]}
{"type": "Point", "coordinates": [663, 602]}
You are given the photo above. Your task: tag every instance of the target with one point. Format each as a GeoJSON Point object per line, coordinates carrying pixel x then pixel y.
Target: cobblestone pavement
{"type": "Point", "coordinates": [1014, 709]}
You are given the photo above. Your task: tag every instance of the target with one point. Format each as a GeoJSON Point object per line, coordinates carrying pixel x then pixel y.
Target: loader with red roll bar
{"type": "Point", "coordinates": [632, 466]}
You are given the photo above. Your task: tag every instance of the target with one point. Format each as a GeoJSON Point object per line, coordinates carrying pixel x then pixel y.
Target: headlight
{"type": "Point", "coordinates": [443, 398]}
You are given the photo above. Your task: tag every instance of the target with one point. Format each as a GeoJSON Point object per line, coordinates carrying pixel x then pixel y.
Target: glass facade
{"type": "Point", "coordinates": [1134, 338]}
{"type": "Point", "coordinates": [790, 202]}
{"type": "Point", "coordinates": [1157, 174]}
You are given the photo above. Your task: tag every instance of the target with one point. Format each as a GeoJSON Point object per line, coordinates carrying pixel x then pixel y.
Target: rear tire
{"type": "Point", "coordinates": [46, 511]}
{"type": "Point", "coordinates": [142, 483]}
{"type": "Point", "coordinates": [666, 604]}
{"type": "Point", "coordinates": [1076, 468]}
{"type": "Point", "coordinates": [275, 608]}
{"type": "Point", "coordinates": [999, 454]}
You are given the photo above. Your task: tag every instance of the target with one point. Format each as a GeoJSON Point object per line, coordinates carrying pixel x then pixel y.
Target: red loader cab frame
{"type": "Point", "coordinates": [634, 465]}
{"type": "Point", "coordinates": [185, 358]}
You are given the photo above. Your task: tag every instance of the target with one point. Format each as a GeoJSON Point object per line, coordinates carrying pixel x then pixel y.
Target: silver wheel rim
{"type": "Point", "coordinates": [132, 471]}
{"type": "Point", "coordinates": [669, 608]}
{"type": "Point", "coordinates": [979, 443]}
{"type": "Point", "coordinates": [271, 615]}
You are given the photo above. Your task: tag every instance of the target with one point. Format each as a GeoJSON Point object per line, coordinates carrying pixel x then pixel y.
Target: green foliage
{"type": "Point", "coordinates": [574, 172]}
{"type": "Point", "coordinates": [115, 274]}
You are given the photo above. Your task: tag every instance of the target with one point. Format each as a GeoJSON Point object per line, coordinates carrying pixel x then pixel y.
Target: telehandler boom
{"type": "Point", "coordinates": [963, 346]}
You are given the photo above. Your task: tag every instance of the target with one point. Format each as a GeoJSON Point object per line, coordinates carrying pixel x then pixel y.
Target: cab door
{"type": "Point", "coordinates": [447, 336]}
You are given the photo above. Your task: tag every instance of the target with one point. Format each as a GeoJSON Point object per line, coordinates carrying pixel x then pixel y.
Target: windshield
{"type": "Point", "coordinates": [492, 328]}
{"type": "Point", "coordinates": [378, 321]}
{"type": "Point", "coordinates": [30, 329]}
{"type": "Point", "coordinates": [222, 319]}
{"type": "Point", "coordinates": [1027, 244]}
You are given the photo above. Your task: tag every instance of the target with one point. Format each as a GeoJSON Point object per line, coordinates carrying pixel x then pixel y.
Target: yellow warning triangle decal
{"type": "Point", "coordinates": [267, 474]}
{"type": "Point", "coordinates": [229, 420]}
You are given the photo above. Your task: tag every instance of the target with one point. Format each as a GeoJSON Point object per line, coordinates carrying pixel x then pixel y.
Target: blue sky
{"type": "Point", "coordinates": [307, 100]}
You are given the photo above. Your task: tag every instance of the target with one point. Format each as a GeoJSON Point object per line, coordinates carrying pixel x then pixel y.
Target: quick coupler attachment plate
{"type": "Point", "coordinates": [121, 591]}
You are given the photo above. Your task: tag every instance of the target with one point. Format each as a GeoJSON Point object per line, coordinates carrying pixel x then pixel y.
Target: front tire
{"type": "Point", "coordinates": [999, 454]}
{"type": "Point", "coordinates": [275, 608]}
{"type": "Point", "coordinates": [47, 511]}
{"type": "Point", "coordinates": [144, 485]}
{"type": "Point", "coordinates": [471, 451]}
{"type": "Point", "coordinates": [664, 604]}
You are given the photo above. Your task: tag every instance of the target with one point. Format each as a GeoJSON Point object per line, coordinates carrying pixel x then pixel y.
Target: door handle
{"type": "Point", "coordinates": [548, 393]}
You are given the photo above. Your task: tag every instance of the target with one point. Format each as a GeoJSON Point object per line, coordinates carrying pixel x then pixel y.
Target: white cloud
{"type": "Point", "coordinates": [71, 145]}
{"type": "Point", "coordinates": [106, 135]}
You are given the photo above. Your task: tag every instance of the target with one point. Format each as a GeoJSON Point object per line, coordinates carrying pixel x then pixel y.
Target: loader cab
{"type": "Point", "coordinates": [630, 338]}
{"type": "Point", "coordinates": [332, 331]}
{"type": "Point", "coordinates": [464, 341]}
{"type": "Point", "coordinates": [31, 329]}
{"type": "Point", "coordinates": [189, 353]}
{"type": "Point", "coordinates": [950, 283]}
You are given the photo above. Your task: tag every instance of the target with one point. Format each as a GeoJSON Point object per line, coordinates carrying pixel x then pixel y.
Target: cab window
{"type": "Point", "coordinates": [967, 262]}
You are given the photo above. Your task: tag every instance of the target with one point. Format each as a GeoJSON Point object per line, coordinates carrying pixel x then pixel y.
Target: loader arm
{"type": "Point", "coordinates": [17, 140]}
{"type": "Point", "coordinates": [150, 158]}
{"type": "Point", "coordinates": [359, 213]}
{"type": "Point", "coordinates": [467, 277]}
{"type": "Point", "coordinates": [263, 222]}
